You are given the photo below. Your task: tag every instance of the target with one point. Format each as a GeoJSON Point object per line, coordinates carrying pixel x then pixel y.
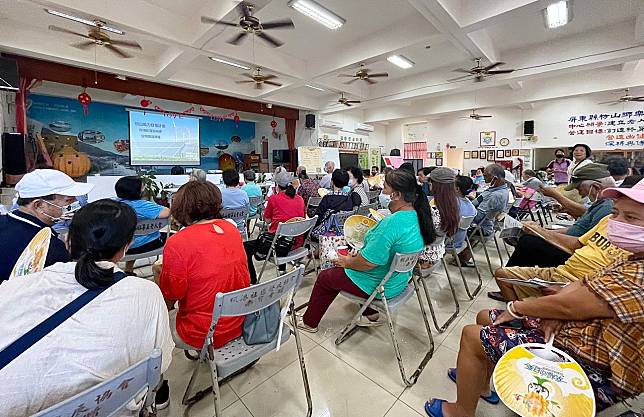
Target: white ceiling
{"type": "Point", "coordinates": [605, 35]}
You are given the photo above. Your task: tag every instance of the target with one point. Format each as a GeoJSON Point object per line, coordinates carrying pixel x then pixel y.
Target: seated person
{"type": "Point", "coordinates": [526, 199]}
{"type": "Point", "coordinates": [492, 201]}
{"type": "Point", "coordinates": [423, 179]}
{"type": "Point", "coordinates": [329, 168]}
{"type": "Point", "coordinates": [618, 168]}
{"type": "Point", "coordinates": [204, 258]}
{"type": "Point", "coordinates": [232, 196]}
{"type": "Point", "coordinates": [308, 187]}
{"type": "Point", "coordinates": [445, 213]}
{"type": "Point", "coordinates": [198, 175]}
{"type": "Point", "coordinates": [406, 230]}
{"type": "Point", "coordinates": [376, 180]}
{"type": "Point", "coordinates": [464, 187]}
{"type": "Point", "coordinates": [598, 321]}
{"type": "Point", "coordinates": [45, 197]}
{"type": "Point", "coordinates": [129, 190]}
{"type": "Point", "coordinates": [340, 199]}
{"type": "Point", "coordinates": [359, 185]}
{"type": "Point", "coordinates": [280, 208]}
{"type": "Point", "coordinates": [120, 327]}
{"type": "Point", "coordinates": [251, 189]}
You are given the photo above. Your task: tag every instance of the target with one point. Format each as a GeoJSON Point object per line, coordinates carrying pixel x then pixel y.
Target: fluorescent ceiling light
{"type": "Point", "coordinates": [318, 13]}
{"type": "Point", "coordinates": [231, 63]}
{"type": "Point", "coordinates": [400, 61]}
{"type": "Point", "coordinates": [558, 14]}
{"type": "Point", "coordinates": [85, 21]}
{"type": "Point", "coordinates": [314, 87]}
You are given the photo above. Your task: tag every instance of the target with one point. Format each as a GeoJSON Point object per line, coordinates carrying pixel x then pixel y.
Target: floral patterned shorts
{"type": "Point", "coordinates": [497, 341]}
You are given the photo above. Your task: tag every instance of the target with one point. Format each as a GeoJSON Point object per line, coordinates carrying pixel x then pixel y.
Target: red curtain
{"type": "Point", "coordinates": [290, 139]}
{"type": "Point", "coordinates": [21, 99]}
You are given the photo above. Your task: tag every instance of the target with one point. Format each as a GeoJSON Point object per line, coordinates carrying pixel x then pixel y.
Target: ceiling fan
{"type": "Point", "coordinates": [479, 73]}
{"type": "Point", "coordinates": [96, 36]}
{"type": "Point", "coordinates": [364, 75]}
{"type": "Point", "coordinates": [624, 99]}
{"type": "Point", "coordinates": [250, 24]}
{"type": "Point", "coordinates": [259, 79]}
{"type": "Point", "coordinates": [346, 101]}
{"type": "Point", "coordinates": [476, 116]}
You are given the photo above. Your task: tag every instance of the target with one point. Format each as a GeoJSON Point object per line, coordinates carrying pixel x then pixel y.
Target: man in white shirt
{"type": "Point", "coordinates": [325, 182]}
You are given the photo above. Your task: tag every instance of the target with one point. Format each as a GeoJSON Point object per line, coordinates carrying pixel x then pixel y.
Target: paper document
{"type": "Point", "coordinates": [532, 282]}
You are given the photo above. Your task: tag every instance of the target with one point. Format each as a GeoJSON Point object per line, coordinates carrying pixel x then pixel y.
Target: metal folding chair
{"type": "Point", "coordinates": [257, 202]}
{"type": "Point", "coordinates": [402, 263]}
{"type": "Point", "coordinates": [464, 224]}
{"type": "Point", "coordinates": [364, 210]}
{"type": "Point", "coordinates": [236, 355]}
{"type": "Point", "coordinates": [424, 276]}
{"type": "Point", "coordinates": [239, 216]}
{"type": "Point", "coordinates": [479, 232]}
{"type": "Point", "coordinates": [373, 196]}
{"type": "Point", "coordinates": [145, 227]}
{"type": "Point", "coordinates": [313, 202]}
{"type": "Point", "coordinates": [290, 229]}
{"type": "Point", "coordinates": [138, 383]}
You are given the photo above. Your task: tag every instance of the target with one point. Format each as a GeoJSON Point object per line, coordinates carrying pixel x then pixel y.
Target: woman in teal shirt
{"type": "Point", "coordinates": [407, 230]}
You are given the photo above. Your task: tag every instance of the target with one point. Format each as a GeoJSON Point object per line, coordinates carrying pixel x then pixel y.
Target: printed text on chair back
{"type": "Point", "coordinates": [145, 227]}
{"type": "Point", "coordinates": [296, 228]}
{"type": "Point", "coordinates": [237, 215]}
{"type": "Point", "coordinates": [404, 262]}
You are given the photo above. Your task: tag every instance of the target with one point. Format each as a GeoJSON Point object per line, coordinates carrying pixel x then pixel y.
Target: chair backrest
{"type": "Point", "coordinates": [402, 262]}
{"type": "Point", "coordinates": [314, 201]}
{"type": "Point", "coordinates": [238, 215]}
{"type": "Point", "coordinates": [112, 395]}
{"type": "Point", "coordinates": [373, 195]}
{"type": "Point", "coordinates": [254, 298]}
{"type": "Point", "coordinates": [364, 210]}
{"type": "Point", "coordinates": [255, 201]}
{"type": "Point", "coordinates": [145, 227]}
{"type": "Point", "coordinates": [465, 222]}
{"type": "Point", "coordinates": [297, 228]}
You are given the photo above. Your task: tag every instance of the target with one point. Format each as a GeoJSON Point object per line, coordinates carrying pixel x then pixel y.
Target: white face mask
{"type": "Point", "coordinates": [384, 200]}
{"type": "Point", "coordinates": [67, 212]}
{"type": "Point", "coordinates": [351, 182]}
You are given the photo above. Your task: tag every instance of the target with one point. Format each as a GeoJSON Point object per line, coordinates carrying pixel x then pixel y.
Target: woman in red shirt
{"type": "Point", "coordinates": [199, 261]}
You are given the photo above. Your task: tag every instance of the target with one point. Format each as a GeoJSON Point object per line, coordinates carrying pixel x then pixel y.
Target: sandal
{"type": "Point", "coordinates": [493, 398]}
{"type": "Point", "coordinates": [434, 408]}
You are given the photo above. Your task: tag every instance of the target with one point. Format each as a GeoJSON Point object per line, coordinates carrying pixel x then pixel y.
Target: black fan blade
{"type": "Point", "coordinates": [493, 65]}
{"type": "Point", "coordinates": [484, 116]}
{"type": "Point", "coordinates": [118, 52]}
{"type": "Point", "coordinates": [273, 83]}
{"type": "Point", "coordinates": [464, 71]}
{"type": "Point", "coordinates": [351, 81]}
{"type": "Point", "coordinates": [353, 101]}
{"type": "Point", "coordinates": [460, 78]}
{"type": "Point", "coordinates": [370, 81]}
{"type": "Point", "coordinates": [279, 24]}
{"type": "Point", "coordinates": [378, 74]}
{"type": "Point", "coordinates": [346, 103]}
{"type": "Point", "coordinates": [237, 39]}
{"type": "Point", "coordinates": [244, 81]}
{"type": "Point", "coordinates": [83, 45]}
{"type": "Point", "coordinates": [507, 71]}
{"type": "Point", "coordinates": [63, 30]}
{"type": "Point", "coordinates": [270, 40]}
{"type": "Point", "coordinates": [640, 98]}
{"type": "Point", "coordinates": [243, 8]}
{"type": "Point", "coordinates": [127, 44]}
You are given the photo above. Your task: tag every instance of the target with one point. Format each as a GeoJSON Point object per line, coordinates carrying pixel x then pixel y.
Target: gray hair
{"type": "Point", "coordinates": [496, 170]}
{"type": "Point", "coordinates": [249, 175]}
{"type": "Point", "coordinates": [198, 175]}
{"type": "Point", "coordinates": [606, 182]}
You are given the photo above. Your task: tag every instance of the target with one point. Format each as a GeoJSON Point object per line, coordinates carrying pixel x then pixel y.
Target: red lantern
{"type": "Point", "coordinates": [145, 102]}
{"type": "Point", "coordinates": [236, 119]}
{"type": "Point", "coordinates": [84, 99]}
{"type": "Point", "coordinates": [273, 124]}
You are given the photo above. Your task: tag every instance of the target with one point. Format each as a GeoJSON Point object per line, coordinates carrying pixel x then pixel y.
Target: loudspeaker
{"type": "Point", "coordinates": [528, 128]}
{"type": "Point", "coordinates": [14, 162]}
{"type": "Point", "coordinates": [394, 152]}
{"type": "Point", "coordinates": [310, 121]}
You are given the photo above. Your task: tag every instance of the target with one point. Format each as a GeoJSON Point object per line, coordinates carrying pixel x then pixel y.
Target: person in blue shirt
{"type": "Point", "coordinates": [251, 189]}
{"type": "Point", "coordinates": [464, 186]}
{"type": "Point", "coordinates": [232, 197]}
{"type": "Point", "coordinates": [129, 190]}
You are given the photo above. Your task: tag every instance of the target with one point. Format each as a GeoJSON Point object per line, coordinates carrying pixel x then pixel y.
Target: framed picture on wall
{"type": "Point", "coordinates": [439, 162]}
{"type": "Point", "coordinates": [466, 155]}
{"type": "Point", "coordinates": [524, 152]}
{"type": "Point", "coordinates": [490, 156]}
{"type": "Point", "coordinates": [500, 154]}
{"type": "Point", "coordinates": [482, 155]}
{"type": "Point", "coordinates": [475, 154]}
{"type": "Point", "coordinates": [487, 138]}
{"type": "Point", "coordinates": [515, 152]}
{"type": "Point", "coordinates": [508, 153]}
{"type": "Point", "coordinates": [439, 154]}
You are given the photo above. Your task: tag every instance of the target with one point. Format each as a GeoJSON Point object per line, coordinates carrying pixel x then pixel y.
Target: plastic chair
{"type": "Point", "coordinates": [364, 210]}
{"type": "Point", "coordinates": [237, 355]}
{"type": "Point", "coordinates": [424, 275]}
{"type": "Point", "coordinates": [464, 224]}
{"type": "Point", "coordinates": [401, 263]}
{"type": "Point", "coordinates": [289, 229]}
{"type": "Point", "coordinates": [145, 227]}
{"type": "Point", "coordinates": [138, 382]}
{"type": "Point", "coordinates": [239, 216]}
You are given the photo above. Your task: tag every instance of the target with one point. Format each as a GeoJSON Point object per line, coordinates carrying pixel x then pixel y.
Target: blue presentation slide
{"type": "Point", "coordinates": [159, 139]}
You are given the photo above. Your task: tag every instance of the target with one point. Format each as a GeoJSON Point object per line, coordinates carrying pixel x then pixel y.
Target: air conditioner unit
{"type": "Point", "coordinates": [331, 124]}
{"type": "Point", "coordinates": [364, 128]}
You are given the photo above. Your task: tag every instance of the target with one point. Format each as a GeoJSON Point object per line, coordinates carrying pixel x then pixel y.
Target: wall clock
{"type": "Point", "coordinates": [504, 142]}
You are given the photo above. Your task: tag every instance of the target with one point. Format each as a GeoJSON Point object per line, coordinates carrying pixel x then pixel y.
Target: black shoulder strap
{"type": "Point", "coordinates": [32, 337]}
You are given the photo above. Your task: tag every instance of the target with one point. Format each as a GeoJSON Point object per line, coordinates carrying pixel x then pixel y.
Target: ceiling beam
{"type": "Point", "coordinates": [65, 74]}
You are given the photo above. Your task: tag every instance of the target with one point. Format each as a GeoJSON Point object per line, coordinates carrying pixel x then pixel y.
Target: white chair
{"type": "Point", "coordinates": [138, 382]}
{"type": "Point", "coordinates": [464, 225]}
{"type": "Point", "coordinates": [237, 355]}
{"type": "Point", "coordinates": [401, 263]}
{"type": "Point", "coordinates": [290, 229]}
{"type": "Point", "coordinates": [424, 276]}
{"type": "Point", "coordinates": [239, 216]}
{"type": "Point", "coordinates": [145, 227]}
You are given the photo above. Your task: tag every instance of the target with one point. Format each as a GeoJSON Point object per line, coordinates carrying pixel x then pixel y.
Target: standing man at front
{"type": "Point", "coordinates": [325, 182]}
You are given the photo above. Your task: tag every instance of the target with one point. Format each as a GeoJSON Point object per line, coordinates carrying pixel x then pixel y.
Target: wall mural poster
{"type": "Point", "coordinates": [619, 129]}
{"type": "Point", "coordinates": [487, 138]}
{"type": "Point", "coordinates": [103, 134]}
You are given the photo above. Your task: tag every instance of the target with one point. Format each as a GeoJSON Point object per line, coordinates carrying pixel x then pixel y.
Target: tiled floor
{"type": "Point", "coordinates": [360, 377]}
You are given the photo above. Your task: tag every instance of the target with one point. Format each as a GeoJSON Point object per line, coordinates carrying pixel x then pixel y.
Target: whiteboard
{"type": "Point", "coordinates": [314, 161]}
{"type": "Point", "coordinates": [330, 154]}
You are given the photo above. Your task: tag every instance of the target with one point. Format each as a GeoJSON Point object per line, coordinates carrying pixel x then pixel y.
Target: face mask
{"type": "Point", "coordinates": [626, 236]}
{"type": "Point", "coordinates": [559, 156]}
{"type": "Point", "coordinates": [594, 198]}
{"type": "Point", "coordinates": [346, 189]}
{"type": "Point", "coordinates": [351, 182]}
{"type": "Point", "coordinates": [384, 200]}
{"type": "Point", "coordinates": [67, 212]}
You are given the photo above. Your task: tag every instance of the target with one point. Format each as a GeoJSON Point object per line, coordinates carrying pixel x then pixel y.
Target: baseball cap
{"type": "Point", "coordinates": [636, 192]}
{"type": "Point", "coordinates": [443, 175]}
{"type": "Point", "coordinates": [283, 178]}
{"type": "Point", "coordinates": [42, 182]}
{"type": "Point", "coordinates": [591, 171]}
